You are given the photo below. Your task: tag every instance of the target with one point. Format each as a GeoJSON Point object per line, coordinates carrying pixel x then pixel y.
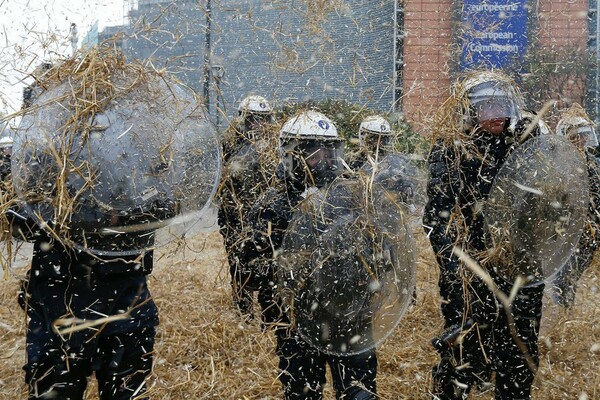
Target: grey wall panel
{"type": "Point", "coordinates": [280, 49]}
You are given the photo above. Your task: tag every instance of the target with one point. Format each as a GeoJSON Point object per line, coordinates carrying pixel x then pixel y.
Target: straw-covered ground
{"type": "Point", "coordinates": [204, 352]}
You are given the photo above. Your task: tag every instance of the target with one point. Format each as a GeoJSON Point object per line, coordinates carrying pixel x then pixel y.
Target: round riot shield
{"type": "Point", "coordinates": [536, 209]}
{"type": "Point", "coordinates": [136, 171]}
{"type": "Point", "coordinates": [347, 267]}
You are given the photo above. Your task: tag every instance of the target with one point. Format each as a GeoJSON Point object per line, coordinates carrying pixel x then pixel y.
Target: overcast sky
{"type": "Point", "coordinates": [37, 30]}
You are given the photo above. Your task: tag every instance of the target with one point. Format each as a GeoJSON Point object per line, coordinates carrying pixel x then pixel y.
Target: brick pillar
{"type": "Point", "coordinates": [563, 27]}
{"type": "Point", "coordinates": [428, 31]}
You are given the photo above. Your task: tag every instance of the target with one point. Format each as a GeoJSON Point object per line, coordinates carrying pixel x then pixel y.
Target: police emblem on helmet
{"type": "Point", "coordinates": [323, 124]}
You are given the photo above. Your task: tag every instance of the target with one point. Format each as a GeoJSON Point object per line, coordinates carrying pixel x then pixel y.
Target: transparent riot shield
{"type": "Point", "coordinates": [536, 209]}
{"type": "Point", "coordinates": [347, 267]}
{"type": "Point", "coordinates": [134, 173]}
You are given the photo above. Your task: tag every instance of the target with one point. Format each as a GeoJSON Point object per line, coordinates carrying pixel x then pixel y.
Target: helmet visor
{"type": "Point", "coordinates": [491, 101]}
{"type": "Point", "coordinates": [583, 135]}
{"type": "Point", "coordinates": [375, 141]}
{"type": "Point", "coordinates": [254, 121]}
{"type": "Point", "coordinates": [322, 159]}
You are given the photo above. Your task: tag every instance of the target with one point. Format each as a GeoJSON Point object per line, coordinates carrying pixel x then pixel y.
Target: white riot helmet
{"type": "Point", "coordinates": [254, 111]}
{"type": "Point", "coordinates": [311, 150]}
{"type": "Point", "coordinates": [491, 97]}
{"type": "Point", "coordinates": [254, 105]}
{"type": "Point", "coordinates": [375, 132]}
{"type": "Point", "coordinates": [578, 130]}
{"type": "Point", "coordinates": [6, 141]}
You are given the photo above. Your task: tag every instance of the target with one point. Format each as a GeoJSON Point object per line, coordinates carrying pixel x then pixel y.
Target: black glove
{"type": "Point", "coordinates": [448, 338]}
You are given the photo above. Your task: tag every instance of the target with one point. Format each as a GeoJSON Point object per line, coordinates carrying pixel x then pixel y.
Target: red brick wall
{"type": "Point", "coordinates": [427, 24]}
{"type": "Point", "coordinates": [563, 23]}
{"type": "Point", "coordinates": [563, 26]}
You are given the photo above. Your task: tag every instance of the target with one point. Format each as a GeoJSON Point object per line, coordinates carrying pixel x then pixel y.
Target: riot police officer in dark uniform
{"type": "Point", "coordinates": [87, 313]}
{"type": "Point", "coordinates": [374, 141]}
{"type": "Point", "coordinates": [579, 129]}
{"type": "Point", "coordinates": [68, 284]}
{"type": "Point", "coordinates": [310, 154]}
{"type": "Point", "coordinates": [248, 152]}
{"type": "Point", "coordinates": [6, 143]}
{"type": "Point", "coordinates": [484, 124]}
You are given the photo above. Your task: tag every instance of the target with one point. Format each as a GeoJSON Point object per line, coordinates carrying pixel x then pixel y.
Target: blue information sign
{"type": "Point", "coordinates": [494, 33]}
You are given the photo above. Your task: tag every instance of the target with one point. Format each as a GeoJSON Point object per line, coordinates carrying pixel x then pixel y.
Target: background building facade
{"type": "Point", "coordinates": [559, 63]}
{"type": "Point", "coordinates": [385, 55]}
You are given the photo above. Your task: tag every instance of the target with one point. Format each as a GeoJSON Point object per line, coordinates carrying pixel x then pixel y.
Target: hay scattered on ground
{"type": "Point", "coordinates": [204, 352]}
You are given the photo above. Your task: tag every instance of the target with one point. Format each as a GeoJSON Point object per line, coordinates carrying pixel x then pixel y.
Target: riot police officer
{"type": "Point", "coordinates": [248, 155]}
{"type": "Point", "coordinates": [374, 141]}
{"type": "Point", "coordinates": [476, 130]}
{"type": "Point", "coordinates": [67, 288]}
{"type": "Point", "coordinates": [254, 112]}
{"type": "Point", "coordinates": [579, 129]}
{"type": "Point", "coordinates": [311, 153]}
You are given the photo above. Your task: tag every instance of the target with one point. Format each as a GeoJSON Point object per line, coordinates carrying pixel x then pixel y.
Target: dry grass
{"type": "Point", "coordinates": [204, 352]}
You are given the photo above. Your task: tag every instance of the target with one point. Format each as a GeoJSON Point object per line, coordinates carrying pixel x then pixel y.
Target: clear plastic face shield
{"type": "Point", "coordinates": [254, 121]}
{"type": "Point", "coordinates": [375, 142]}
{"type": "Point", "coordinates": [493, 107]}
{"type": "Point", "coordinates": [320, 159]}
{"type": "Point", "coordinates": [583, 136]}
